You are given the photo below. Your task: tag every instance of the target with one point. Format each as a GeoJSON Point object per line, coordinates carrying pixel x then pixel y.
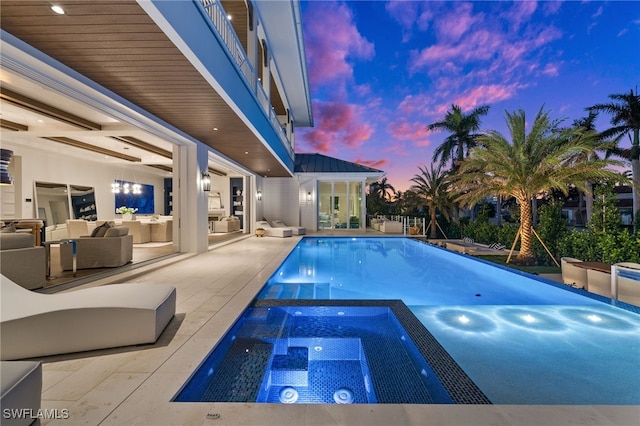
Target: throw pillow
{"type": "Point", "coordinates": [99, 231]}
{"type": "Point", "coordinates": [9, 228]}
{"type": "Point", "coordinates": [116, 231]}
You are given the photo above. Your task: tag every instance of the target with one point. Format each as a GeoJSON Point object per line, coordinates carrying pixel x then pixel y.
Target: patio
{"type": "Point", "coordinates": [134, 385]}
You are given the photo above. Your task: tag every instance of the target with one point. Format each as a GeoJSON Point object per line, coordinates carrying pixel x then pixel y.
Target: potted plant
{"type": "Point", "coordinates": [260, 232]}
{"type": "Point", "coordinates": [126, 212]}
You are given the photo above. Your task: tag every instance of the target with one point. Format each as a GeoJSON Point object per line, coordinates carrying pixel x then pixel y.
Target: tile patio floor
{"type": "Point", "coordinates": [133, 385]}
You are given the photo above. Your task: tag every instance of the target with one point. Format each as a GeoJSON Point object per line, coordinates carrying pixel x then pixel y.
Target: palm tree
{"type": "Point", "coordinates": [382, 189]}
{"type": "Point", "coordinates": [587, 126]}
{"type": "Point", "coordinates": [530, 164]}
{"type": "Point", "coordinates": [432, 186]}
{"type": "Point", "coordinates": [625, 119]}
{"type": "Point", "coordinates": [462, 127]}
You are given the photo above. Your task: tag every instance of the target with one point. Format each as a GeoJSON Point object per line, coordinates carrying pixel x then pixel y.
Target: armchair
{"type": "Point", "coordinates": [161, 231]}
{"type": "Point", "coordinates": [113, 250]}
{"type": "Point", "coordinates": [140, 231]}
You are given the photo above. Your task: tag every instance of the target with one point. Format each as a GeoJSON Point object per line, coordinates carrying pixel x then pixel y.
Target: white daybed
{"type": "Point", "coordinates": [273, 232]}
{"type": "Point", "coordinates": [35, 325]}
{"type": "Point", "coordinates": [296, 230]}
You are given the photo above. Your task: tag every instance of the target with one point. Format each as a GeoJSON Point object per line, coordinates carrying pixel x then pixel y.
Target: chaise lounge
{"type": "Point", "coordinates": [36, 325]}
{"type": "Point", "coordinates": [273, 232]}
{"type": "Point", "coordinates": [295, 230]}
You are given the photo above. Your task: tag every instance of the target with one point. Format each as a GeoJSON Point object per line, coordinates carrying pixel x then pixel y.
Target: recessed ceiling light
{"type": "Point", "coordinates": [229, 17]}
{"type": "Point", "coordinates": [215, 128]}
{"type": "Point", "coordinates": [40, 120]}
{"type": "Point", "coordinates": [57, 9]}
{"type": "Point", "coordinates": [246, 152]}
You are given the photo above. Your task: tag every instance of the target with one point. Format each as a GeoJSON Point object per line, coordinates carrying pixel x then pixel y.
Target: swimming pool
{"type": "Point", "coordinates": [521, 339]}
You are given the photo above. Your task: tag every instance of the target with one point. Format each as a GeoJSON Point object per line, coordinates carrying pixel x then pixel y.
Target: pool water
{"type": "Point", "coordinates": [521, 339]}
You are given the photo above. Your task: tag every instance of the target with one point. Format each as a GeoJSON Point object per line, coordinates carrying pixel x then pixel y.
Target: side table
{"type": "Point", "coordinates": [74, 249]}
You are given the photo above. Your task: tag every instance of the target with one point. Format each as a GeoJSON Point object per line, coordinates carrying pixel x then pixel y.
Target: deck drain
{"type": "Point", "coordinates": [288, 395]}
{"type": "Point", "coordinates": [343, 396]}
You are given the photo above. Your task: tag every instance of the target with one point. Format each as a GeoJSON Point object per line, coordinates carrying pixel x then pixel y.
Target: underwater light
{"type": "Point", "coordinates": [317, 348]}
{"type": "Point", "coordinates": [528, 318]}
{"type": "Point", "coordinates": [594, 318]}
{"type": "Point", "coordinates": [463, 319]}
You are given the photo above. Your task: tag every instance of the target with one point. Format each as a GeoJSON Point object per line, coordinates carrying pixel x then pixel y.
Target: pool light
{"type": "Point", "coordinates": [463, 319]}
{"type": "Point", "coordinates": [288, 395]}
{"type": "Point", "coordinates": [528, 318]}
{"type": "Point", "coordinates": [594, 318]}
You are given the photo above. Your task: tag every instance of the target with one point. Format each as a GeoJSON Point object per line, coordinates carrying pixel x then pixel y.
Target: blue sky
{"type": "Point", "coordinates": [380, 72]}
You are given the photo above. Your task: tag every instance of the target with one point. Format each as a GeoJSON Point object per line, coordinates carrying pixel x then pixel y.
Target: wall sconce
{"type": "Point", "coordinates": [308, 196]}
{"type": "Point", "coordinates": [206, 182]}
{"type": "Point", "coordinates": [5, 158]}
{"type": "Point", "coordinates": [259, 195]}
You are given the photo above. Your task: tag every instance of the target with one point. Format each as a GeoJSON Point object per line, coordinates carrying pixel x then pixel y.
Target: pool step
{"type": "Point", "coordinates": [292, 368]}
{"type": "Point", "coordinates": [299, 291]}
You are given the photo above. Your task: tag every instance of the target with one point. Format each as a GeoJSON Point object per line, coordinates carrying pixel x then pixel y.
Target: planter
{"type": "Point", "coordinates": [127, 216]}
{"type": "Point", "coordinates": [414, 230]}
{"type": "Point", "coordinates": [260, 232]}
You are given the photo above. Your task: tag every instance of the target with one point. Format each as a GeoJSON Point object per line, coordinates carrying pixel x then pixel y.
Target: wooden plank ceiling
{"type": "Point", "coordinates": [116, 44]}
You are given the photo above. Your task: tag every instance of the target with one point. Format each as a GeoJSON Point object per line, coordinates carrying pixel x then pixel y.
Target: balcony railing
{"type": "Point", "coordinates": [218, 17]}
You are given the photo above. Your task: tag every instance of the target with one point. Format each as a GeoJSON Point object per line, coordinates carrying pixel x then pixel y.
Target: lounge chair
{"type": "Point", "coordinates": [35, 325]}
{"type": "Point", "coordinates": [296, 230]}
{"type": "Point", "coordinates": [273, 232]}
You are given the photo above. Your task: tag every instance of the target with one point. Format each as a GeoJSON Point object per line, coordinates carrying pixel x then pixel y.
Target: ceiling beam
{"type": "Point", "coordinates": [27, 103]}
{"type": "Point", "coordinates": [162, 167]}
{"type": "Point", "coordinates": [130, 140]}
{"type": "Point", "coordinates": [93, 148]}
{"type": "Point", "coordinates": [10, 125]}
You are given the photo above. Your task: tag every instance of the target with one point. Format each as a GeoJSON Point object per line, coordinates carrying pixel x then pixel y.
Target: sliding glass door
{"type": "Point", "coordinates": [340, 205]}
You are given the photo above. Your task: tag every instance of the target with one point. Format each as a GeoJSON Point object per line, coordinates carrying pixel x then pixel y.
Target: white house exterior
{"type": "Point", "coordinates": [166, 93]}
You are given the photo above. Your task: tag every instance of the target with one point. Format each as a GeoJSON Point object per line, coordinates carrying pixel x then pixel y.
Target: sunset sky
{"type": "Point", "coordinates": [380, 72]}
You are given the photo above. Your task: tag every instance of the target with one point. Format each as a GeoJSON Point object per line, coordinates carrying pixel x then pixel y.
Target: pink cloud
{"type": "Point", "coordinates": [337, 125]}
{"type": "Point", "coordinates": [551, 7]}
{"type": "Point", "coordinates": [486, 94]}
{"type": "Point", "coordinates": [415, 132]}
{"type": "Point", "coordinates": [332, 43]}
{"type": "Point", "coordinates": [551, 70]}
{"type": "Point", "coordinates": [453, 25]}
{"type": "Point", "coordinates": [411, 13]}
{"type": "Point", "coordinates": [520, 13]}
{"type": "Point", "coordinates": [376, 164]}
{"type": "Point", "coordinates": [413, 103]}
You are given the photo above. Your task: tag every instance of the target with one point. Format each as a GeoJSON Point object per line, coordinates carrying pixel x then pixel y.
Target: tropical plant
{"type": "Point", "coordinates": [527, 166]}
{"type": "Point", "coordinates": [587, 126]}
{"type": "Point", "coordinates": [382, 189]}
{"type": "Point", "coordinates": [606, 217]}
{"type": "Point", "coordinates": [625, 119]}
{"type": "Point", "coordinates": [462, 128]}
{"type": "Point", "coordinates": [432, 187]}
